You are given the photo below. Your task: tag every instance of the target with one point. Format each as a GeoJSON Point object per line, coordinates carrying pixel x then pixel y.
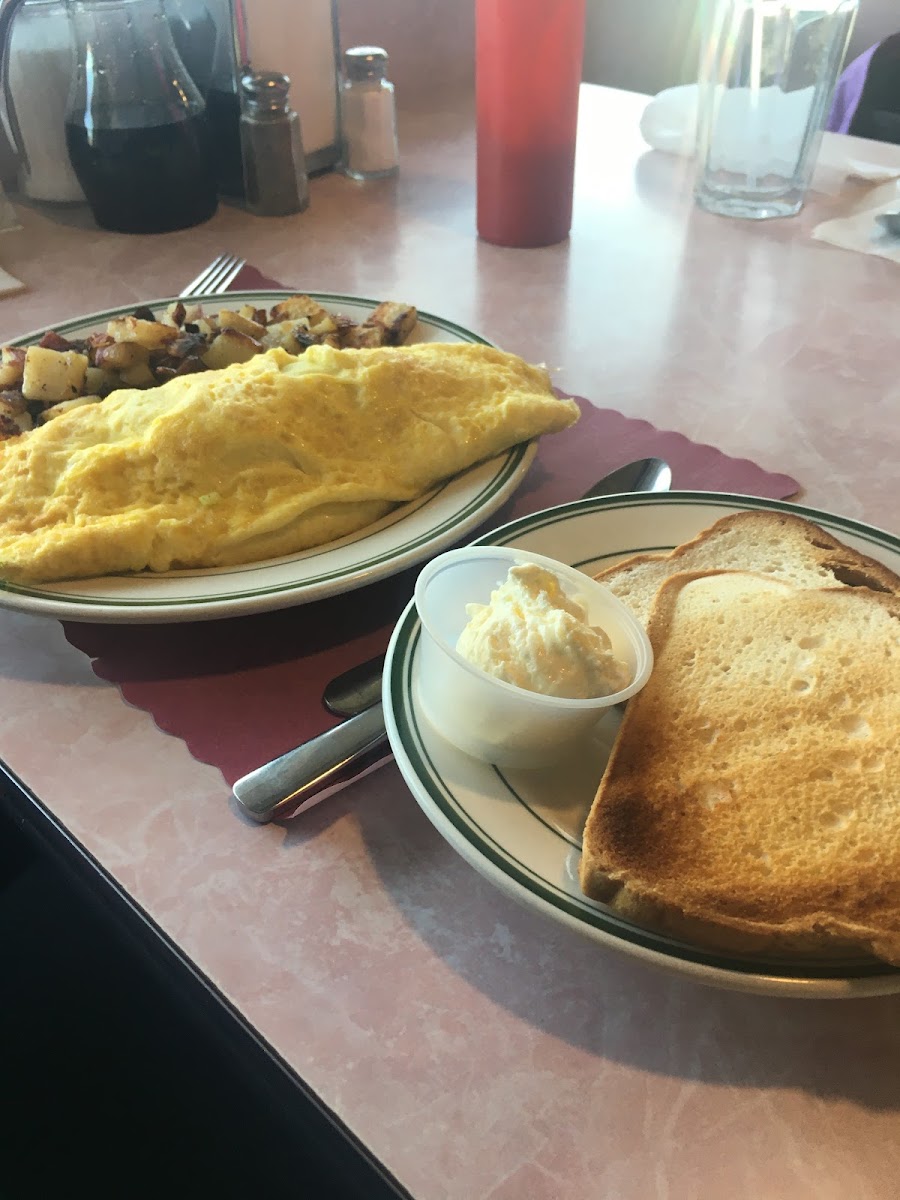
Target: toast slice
{"type": "Point", "coordinates": [752, 798]}
{"type": "Point", "coordinates": [783, 545]}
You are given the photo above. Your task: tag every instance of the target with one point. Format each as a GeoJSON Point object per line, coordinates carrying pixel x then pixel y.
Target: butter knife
{"type": "Point", "coordinates": [301, 778]}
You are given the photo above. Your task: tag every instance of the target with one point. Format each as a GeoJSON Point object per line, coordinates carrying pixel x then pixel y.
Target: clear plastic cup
{"type": "Point", "coordinates": [768, 70]}
{"type": "Point", "coordinates": [484, 716]}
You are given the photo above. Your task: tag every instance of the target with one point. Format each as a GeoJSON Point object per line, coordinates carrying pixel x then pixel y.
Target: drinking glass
{"type": "Point", "coordinates": [767, 72]}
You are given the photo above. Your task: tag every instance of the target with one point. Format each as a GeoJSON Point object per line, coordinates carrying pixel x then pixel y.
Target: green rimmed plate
{"type": "Point", "coordinates": [522, 830]}
{"type": "Point", "coordinates": [406, 536]}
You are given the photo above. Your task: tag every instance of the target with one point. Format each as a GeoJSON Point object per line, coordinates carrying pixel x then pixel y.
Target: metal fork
{"type": "Point", "coordinates": [215, 278]}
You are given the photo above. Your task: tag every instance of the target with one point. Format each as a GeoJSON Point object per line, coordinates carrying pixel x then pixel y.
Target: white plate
{"type": "Point", "coordinates": [406, 536]}
{"type": "Point", "coordinates": [522, 829]}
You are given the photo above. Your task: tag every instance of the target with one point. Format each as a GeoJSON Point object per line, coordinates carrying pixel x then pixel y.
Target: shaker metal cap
{"type": "Point", "coordinates": [266, 89]}
{"type": "Point", "coordinates": [365, 62]}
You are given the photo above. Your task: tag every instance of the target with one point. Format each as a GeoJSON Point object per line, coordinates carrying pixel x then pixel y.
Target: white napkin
{"type": "Point", "coordinates": [9, 283]}
{"type": "Point", "coordinates": [860, 230]}
{"type": "Point", "coordinates": [669, 122]}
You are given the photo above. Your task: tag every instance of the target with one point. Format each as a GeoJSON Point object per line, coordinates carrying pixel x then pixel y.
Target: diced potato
{"type": "Point", "coordinates": [152, 334]}
{"type": "Point", "coordinates": [99, 382]}
{"type": "Point", "coordinates": [235, 320]}
{"type": "Point", "coordinates": [325, 325]}
{"type": "Point", "coordinates": [56, 410]}
{"type": "Point", "coordinates": [52, 375]}
{"type": "Point", "coordinates": [12, 365]}
{"type": "Point", "coordinates": [20, 417]}
{"type": "Point", "coordinates": [205, 327]}
{"type": "Point", "coordinates": [298, 306]}
{"type": "Point", "coordinates": [13, 399]}
{"type": "Point", "coordinates": [289, 335]}
{"type": "Point", "coordinates": [192, 314]}
{"type": "Point", "coordinates": [398, 321]}
{"type": "Point", "coordinates": [230, 347]}
{"type": "Point", "coordinates": [359, 337]}
{"type": "Point", "coordinates": [138, 376]}
{"type": "Point", "coordinates": [119, 356]}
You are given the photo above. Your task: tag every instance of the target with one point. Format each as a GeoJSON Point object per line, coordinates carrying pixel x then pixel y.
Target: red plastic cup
{"type": "Point", "coordinates": [528, 70]}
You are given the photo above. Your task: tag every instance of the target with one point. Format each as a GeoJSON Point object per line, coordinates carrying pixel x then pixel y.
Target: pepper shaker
{"type": "Point", "coordinates": [368, 115]}
{"type": "Point", "coordinates": [275, 180]}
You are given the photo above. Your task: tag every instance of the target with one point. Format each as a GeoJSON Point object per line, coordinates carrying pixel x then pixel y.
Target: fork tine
{"type": "Point", "coordinates": [218, 280]}
{"type": "Point", "coordinates": [216, 277]}
{"type": "Point", "coordinates": [197, 284]}
{"type": "Point", "coordinates": [230, 274]}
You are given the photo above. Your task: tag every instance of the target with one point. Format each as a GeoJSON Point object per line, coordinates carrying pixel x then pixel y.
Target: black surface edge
{"type": "Point", "coordinates": [250, 1053]}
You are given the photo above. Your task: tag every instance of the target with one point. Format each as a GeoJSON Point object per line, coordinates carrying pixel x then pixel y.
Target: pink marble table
{"type": "Point", "coordinates": [477, 1049]}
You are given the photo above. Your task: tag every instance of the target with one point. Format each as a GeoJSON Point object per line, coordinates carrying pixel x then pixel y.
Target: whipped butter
{"type": "Point", "coordinates": [536, 636]}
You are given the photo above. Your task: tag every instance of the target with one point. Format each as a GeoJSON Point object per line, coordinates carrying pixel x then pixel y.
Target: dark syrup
{"type": "Point", "coordinates": [223, 110]}
{"type": "Point", "coordinates": [149, 179]}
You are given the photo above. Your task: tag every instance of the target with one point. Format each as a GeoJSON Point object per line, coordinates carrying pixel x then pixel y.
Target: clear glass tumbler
{"type": "Point", "coordinates": [767, 72]}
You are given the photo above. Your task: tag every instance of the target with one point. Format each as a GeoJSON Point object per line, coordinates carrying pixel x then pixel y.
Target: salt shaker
{"type": "Point", "coordinates": [368, 115]}
{"type": "Point", "coordinates": [275, 180]}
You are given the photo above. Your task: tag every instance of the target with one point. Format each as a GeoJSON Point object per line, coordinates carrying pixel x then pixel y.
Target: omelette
{"type": "Point", "coordinates": [260, 459]}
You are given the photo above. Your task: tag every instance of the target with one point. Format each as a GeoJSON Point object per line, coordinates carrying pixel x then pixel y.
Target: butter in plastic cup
{"type": "Point", "coordinates": [483, 716]}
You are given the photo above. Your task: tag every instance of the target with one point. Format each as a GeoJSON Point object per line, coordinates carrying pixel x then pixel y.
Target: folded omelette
{"type": "Point", "coordinates": [261, 459]}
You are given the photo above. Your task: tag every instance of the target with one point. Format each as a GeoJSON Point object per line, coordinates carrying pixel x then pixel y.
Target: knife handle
{"type": "Point", "coordinates": [294, 782]}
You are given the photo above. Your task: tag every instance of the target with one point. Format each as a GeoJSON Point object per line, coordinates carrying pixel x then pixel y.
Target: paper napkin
{"type": "Point", "coordinates": [9, 284]}
{"type": "Point", "coordinates": [860, 229]}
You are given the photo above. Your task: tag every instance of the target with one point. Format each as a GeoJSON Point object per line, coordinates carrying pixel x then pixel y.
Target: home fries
{"type": "Point", "coordinates": [139, 350]}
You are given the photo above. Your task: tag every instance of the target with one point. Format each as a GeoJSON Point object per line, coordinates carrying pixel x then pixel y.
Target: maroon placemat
{"type": "Point", "coordinates": [242, 690]}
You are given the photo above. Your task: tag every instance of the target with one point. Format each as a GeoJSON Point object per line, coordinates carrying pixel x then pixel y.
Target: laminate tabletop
{"type": "Point", "coordinates": [476, 1047]}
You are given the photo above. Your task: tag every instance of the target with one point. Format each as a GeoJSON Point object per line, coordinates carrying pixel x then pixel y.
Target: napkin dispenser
{"type": "Point", "coordinates": [300, 39]}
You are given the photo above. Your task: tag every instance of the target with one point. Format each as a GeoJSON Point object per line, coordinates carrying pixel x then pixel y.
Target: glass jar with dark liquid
{"type": "Point", "coordinates": [136, 125]}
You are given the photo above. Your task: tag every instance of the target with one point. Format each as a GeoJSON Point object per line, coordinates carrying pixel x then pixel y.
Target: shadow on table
{"type": "Point", "coordinates": [602, 1001]}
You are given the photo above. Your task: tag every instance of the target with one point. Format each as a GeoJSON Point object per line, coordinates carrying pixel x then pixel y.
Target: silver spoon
{"type": "Point", "coordinates": [295, 781]}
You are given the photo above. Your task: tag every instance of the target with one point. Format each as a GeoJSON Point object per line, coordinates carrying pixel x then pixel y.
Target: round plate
{"type": "Point", "coordinates": [522, 829]}
{"type": "Point", "coordinates": [407, 535]}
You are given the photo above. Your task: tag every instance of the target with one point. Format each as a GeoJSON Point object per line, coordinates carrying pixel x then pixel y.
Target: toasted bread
{"type": "Point", "coordinates": [783, 545]}
{"type": "Point", "coordinates": [752, 798]}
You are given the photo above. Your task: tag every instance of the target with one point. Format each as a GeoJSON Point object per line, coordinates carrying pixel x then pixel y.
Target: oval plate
{"type": "Point", "coordinates": [406, 536]}
{"type": "Point", "coordinates": [522, 829]}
